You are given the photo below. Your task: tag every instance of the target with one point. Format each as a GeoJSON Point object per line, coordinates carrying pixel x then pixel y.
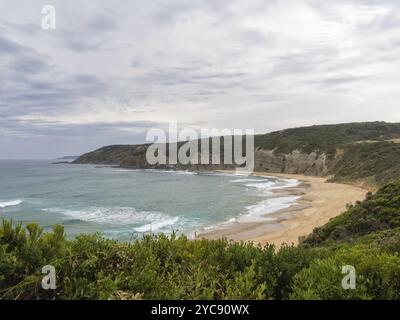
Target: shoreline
{"type": "Point", "coordinates": [319, 202]}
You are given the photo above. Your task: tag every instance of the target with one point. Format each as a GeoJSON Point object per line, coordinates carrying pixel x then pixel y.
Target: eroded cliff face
{"type": "Point", "coordinates": [365, 151]}
{"type": "Point", "coordinates": [296, 162]}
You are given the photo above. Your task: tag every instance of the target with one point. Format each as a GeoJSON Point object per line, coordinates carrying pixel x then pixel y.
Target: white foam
{"type": "Point", "coordinates": [257, 212]}
{"type": "Point", "coordinates": [157, 171]}
{"type": "Point", "coordinates": [151, 227]}
{"type": "Point", "coordinates": [114, 216]}
{"type": "Point", "coordinates": [10, 203]}
{"type": "Point", "coordinates": [288, 183]}
{"type": "Point", "coordinates": [160, 170]}
{"type": "Point", "coordinates": [279, 183]}
{"type": "Point", "coordinates": [222, 174]}
{"type": "Point", "coordinates": [186, 172]}
{"type": "Point", "coordinates": [262, 185]}
{"type": "Point", "coordinates": [247, 180]}
{"type": "Point", "coordinates": [230, 221]}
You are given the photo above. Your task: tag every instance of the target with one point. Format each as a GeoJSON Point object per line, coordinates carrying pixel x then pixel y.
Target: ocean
{"type": "Point", "coordinates": [124, 204]}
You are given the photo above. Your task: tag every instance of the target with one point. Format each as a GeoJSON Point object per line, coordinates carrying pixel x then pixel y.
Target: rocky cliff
{"type": "Point", "coordinates": [296, 162]}
{"type": "Point", "coordinates": [353, 151]}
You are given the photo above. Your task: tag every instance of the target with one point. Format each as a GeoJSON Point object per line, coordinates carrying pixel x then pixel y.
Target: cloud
{"type": "Point", "coordinates": [83, 45]}
{"type": "Point", "coordinates": [111, 69]}
{"type": "Point", "coordinates": [7, 46]}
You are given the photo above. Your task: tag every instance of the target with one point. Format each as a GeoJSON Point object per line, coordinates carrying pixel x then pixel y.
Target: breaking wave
{"type": "Point", "coordinates": [120, 216]}
{"type": "Point", "coordinates": [10, 203]}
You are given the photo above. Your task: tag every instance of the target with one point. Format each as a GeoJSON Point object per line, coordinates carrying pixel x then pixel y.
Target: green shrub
{"type": "Point", "coordinates": [377, 276]}
{"type": "Point", "coordinates": [378, 212]}
{"type": "Point", "coordinates": [367, 237]}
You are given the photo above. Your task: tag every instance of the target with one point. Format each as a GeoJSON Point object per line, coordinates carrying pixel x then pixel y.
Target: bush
{"type": "Point", "coordinates": [378, 212]}
{"type": "Point", "coordinates": [377, 276]}
{"type": "Point", "coordinates": [175, 267]}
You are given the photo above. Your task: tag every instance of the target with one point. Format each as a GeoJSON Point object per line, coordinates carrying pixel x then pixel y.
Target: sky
{"type": "Point", "coordinates": [112, 70]}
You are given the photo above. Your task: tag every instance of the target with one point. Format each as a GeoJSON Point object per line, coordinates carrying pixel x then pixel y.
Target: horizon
{"type": "Point", "coordinates": [200, 157]}
{"type": "Point", "coordinates": [107, 73]}
{"type": "Point", "coordinates": [60, 157]}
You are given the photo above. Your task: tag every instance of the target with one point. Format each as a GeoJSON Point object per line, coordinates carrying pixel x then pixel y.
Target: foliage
{"type": "Point", "coordinates": [321, 138]}
{"type": "Point", "coordinates": [326, 138]}
{"type": "Point", "coordinates": [353, 152]}
{"type": "Point", "coordinates": [377, 276]}
{"type": "Point", "coordinates": [366, 236]}
{"type": "Point", "coordinates": [378, 212]}
{"type": "Point", "coordinates": [161, 267]}
{"type": "Point", "coordinates": [376, 162]}
{"type": "Point", "coordinates": [155, 267]}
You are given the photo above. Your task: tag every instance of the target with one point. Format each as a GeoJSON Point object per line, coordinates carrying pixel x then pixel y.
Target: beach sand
{"type": "Point", "coordinates": [320, 201]}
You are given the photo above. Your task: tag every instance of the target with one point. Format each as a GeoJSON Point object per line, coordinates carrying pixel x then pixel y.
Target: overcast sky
{"type": "Point", "coordinates": [113, 69]}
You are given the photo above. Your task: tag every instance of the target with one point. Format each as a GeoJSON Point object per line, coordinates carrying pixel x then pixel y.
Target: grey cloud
{"type": "Point", "coordinates": [102, 24]}
{"type": "Point", "coordinates": [83, 45]}
{"type": "Point", "coordinates": [340, 82]}
{"type": "Point", "coordinates": [253, 38]}
{"type": "Point", "coordinates": [8, 46]}
{"type": "Point", "coordinates": [136, 59]}
{"type": "Point", "coordinates": [31, 65]}
{"type": "Point", "coordinates": [47, 94]}
{"type": "Point", "coordinates": [25, 28]}
{"type": "Point", "coordinates": [59, 129]}
{"type": "Point", "coordinates": [299, 63]}
{"type": "Point", "coordinates": [54, 139]}
{"type": "Point", "coordinates": [21, 86]}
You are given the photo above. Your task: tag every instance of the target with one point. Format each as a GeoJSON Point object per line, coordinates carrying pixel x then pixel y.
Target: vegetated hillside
{"type": "Point", "coordinates": [326, 138]}
{"type": "Point", "coordinates": [367, 237]}
{"type": "Point", "coordinates": [378, 212]}
{"type": "Point", "coordinates": [376, 163]}
{"type": "Point", "coordinates": [349, 152]}
{"type": "Point", "coordinates": [322, 138]}
{"type": "Point", "coordinates": [113, 154]}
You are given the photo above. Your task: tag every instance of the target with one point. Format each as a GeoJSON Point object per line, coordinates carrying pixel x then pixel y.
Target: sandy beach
{"type": "Point", "coordinates": [319, 202]}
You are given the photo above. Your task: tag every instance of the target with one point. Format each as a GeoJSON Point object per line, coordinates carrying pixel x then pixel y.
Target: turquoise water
{"type": "Point", "coordinates": [122, 203]}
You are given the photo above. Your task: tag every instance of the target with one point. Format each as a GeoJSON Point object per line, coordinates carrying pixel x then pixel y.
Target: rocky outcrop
{"type": "Point", "coordinates": [335, 150]}
{"type": "Point", "coordinates": [295, 162]}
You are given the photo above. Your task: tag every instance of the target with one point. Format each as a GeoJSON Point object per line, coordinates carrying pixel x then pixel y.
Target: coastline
{"type": "Point", "coordinates": [319, 202]}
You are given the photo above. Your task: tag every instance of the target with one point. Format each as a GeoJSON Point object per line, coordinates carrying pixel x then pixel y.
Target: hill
{"type": "Point", "coordinates": [326, 138]}
{"type": "Point", "coordinates": [352, 152]}
{"type": "Point", "coordinates": [379, 212]}
{"type": "Point", "coordinates": [374, 163]}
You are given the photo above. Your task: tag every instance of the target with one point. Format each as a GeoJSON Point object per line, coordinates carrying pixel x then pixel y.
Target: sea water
{"type": "Point", "coordinates": [124, 204]}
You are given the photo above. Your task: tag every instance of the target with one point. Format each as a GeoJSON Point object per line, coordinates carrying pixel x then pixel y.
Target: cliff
{"type": "Point", "coordinates": [369, 149]}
